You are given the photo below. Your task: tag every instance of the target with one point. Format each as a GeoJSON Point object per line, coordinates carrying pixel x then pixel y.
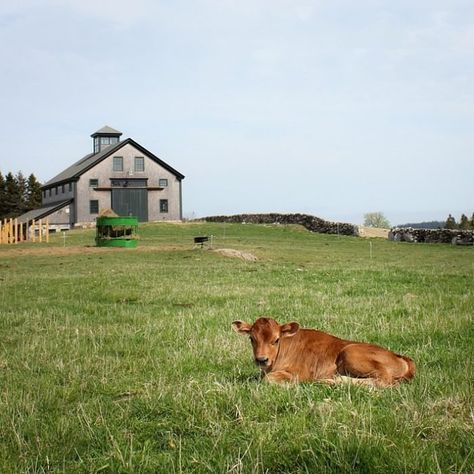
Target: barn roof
{"type": "Point", "coordinates": [42, 212]}
{"type": "Point", "coordinates": [89, 161]}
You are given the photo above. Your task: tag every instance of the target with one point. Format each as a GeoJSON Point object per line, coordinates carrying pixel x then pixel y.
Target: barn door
{"type": "Point", "coordinates": [131, 202]}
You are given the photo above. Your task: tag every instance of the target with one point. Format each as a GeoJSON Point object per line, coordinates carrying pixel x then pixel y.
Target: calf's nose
{"type": "Point", "coordinates": [261, 360]}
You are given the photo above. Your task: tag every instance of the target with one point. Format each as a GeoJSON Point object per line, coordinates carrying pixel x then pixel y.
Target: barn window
{"type": "Point", "coordinates": [70, 187]}
{"type": "Point", "coordinates": [63, 189]}
{"type": "Point", "coordinates": [118, 163]}
{"type": "Point", "coordinates": [163, 183]}
{"type": "Point", "coordinates": [163, 205]}
{"type": "Point", "coordinates": [139, 164]}
{"type": "Point", "coordinates": [93, 183]}
{"type": "Point", "coordinates": [94, 206]}
{"type": "Point", "coordinates": [49, 192]}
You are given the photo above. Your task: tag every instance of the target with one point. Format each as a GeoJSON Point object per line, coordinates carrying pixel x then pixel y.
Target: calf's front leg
{"type": "Point", "coordinates": [280, 376]}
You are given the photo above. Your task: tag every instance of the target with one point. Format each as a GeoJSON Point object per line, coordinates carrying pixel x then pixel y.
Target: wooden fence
{"type": "Point", "coordinates": [13, 232]}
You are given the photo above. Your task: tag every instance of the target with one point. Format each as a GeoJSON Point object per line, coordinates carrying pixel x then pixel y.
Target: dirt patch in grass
{"type": "Point", "coordinates": [18, 251]}
{"type": "Point", "coordinates": [249, 257]}
{"type": "Point", "coordinates": [75, 249]}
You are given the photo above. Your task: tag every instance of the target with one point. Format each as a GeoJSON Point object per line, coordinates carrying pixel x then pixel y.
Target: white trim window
{"type": "Point", "coordinates": [117, 163]}
{"type": "Point", "coordinates": [139, 164]}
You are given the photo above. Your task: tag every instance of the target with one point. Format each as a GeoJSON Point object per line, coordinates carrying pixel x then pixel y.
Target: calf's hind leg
{"type": "Point", "coordinates": [368, 362]}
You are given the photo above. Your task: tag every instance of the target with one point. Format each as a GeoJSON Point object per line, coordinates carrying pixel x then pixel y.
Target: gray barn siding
{"type": "Point", "coordinates": [103, 171]}
{"type": "Point", "coordinates": [61, 217]}
{"type": "Point", "coordinates": [57, 194]}
{"type": "Point", "coordinates": [73, 184]}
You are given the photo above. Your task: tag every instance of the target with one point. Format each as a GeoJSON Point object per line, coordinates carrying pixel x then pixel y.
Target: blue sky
{"type": "Point", "coordinates": [329, 107]}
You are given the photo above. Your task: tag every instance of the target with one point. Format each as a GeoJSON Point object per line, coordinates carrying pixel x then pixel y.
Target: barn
{"type": "Point", "coordinates": [121, 175]}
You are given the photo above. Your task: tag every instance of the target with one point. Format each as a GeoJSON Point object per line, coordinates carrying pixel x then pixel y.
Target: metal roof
{"type": "Point", "coordinates": [79, 167]}
{"type": "Point", "coordinates": [85, 163]}
{"type": "Point", "coordinates": [43, 212]}
{"type": "Point", "coordinates": [106, 130]}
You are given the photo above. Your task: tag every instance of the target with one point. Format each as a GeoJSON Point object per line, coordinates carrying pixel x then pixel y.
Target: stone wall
{"type": "Point", "coordinates": [445, 236]}
{"type": "Point", "coordinates": [312, 223]}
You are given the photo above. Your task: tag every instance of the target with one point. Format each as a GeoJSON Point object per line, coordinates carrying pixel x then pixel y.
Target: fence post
{"type": "Point", "coordinates": [40, 230]}
{"type": "Point", "coordinates": [47, 231]}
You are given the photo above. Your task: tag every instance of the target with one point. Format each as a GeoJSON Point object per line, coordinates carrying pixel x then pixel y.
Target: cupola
{"type": "Point", "coordinates": [105, 137]}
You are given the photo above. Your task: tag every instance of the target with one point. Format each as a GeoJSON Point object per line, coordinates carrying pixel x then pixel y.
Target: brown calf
{"type": "Point", "coordinates": [288, 353]}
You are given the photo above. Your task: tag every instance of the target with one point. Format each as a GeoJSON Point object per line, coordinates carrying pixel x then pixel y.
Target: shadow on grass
{"type": "Point", "coordinates": [246, 378]}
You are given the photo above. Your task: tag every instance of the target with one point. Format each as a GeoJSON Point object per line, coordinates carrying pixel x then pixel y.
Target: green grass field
{"type": "Point", "coordinates": [122, 360]}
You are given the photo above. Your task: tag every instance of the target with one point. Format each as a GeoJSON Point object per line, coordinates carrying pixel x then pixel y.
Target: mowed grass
{"type": "Point", "coordinates": [123, 360]}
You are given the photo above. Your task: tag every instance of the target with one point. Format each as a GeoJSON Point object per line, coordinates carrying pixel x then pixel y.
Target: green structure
{"type": "Point", "coordinates": [117, 232]}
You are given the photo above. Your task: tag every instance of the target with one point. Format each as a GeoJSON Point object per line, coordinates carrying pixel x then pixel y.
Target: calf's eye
{"type": "Point", "coordinates": [276, 341]}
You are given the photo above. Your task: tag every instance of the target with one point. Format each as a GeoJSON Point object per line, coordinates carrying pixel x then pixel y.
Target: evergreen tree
{"type": "Point", "coordinates": [450, 223]}
{"type": "Point", "coordinates": [21, 206]}
{"type": "Point", "coordinates": [33, 200]}
{"type": "Point", "coordinates": [18, 194]}
{"type": "Point", "coordinates": [471, 222]}
{"type": "Point", "coordinates": [464, 222]}
{"type": "Point", "coordinates": [12, 196]}
{"type": "Point", "coordinates": [2, 197]}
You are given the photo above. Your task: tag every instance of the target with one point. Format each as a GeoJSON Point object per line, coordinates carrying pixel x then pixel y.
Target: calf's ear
{"type": "Point", "coordinates": [289, 329]}
{"type": "Point", "coordinates": [241, 327]}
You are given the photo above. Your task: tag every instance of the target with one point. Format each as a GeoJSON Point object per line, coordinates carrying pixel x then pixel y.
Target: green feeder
{"type": "Point", "coordinates": [117, 232]}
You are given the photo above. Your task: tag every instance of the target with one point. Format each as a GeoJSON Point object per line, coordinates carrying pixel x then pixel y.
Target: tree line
{"type": "Point", "coordinates": [464, 222]}
{"type": "Point", "coordinates": [18, 194]}
{"type": "Point", "coordinates": [377, 219]}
